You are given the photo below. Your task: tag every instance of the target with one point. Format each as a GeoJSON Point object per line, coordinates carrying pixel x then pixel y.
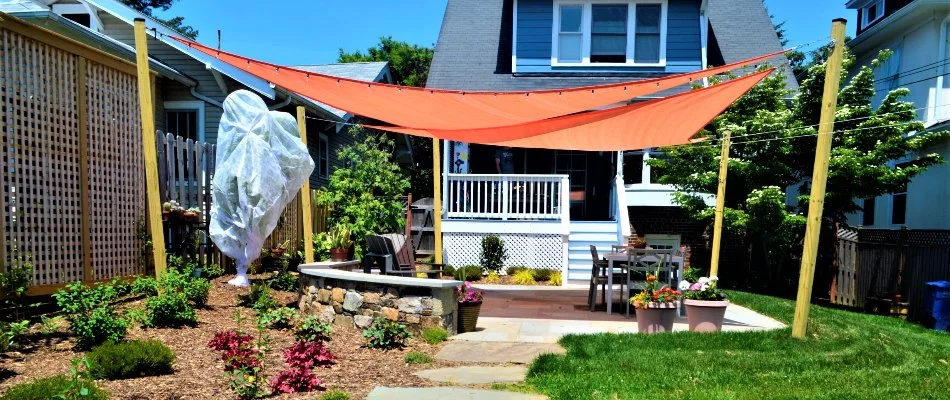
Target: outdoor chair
{"type": "Point", "coordinates": [643, 261]}
{"type": "Point", "coordinates": [599, 277]}
{"type": "Point", "coordinates": [394, 255]}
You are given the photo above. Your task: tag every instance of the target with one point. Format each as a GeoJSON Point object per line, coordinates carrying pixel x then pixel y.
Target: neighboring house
{"type": "Point", "coordinates": [191, 86]}
{"type": "Point", "coordinates": [552, 205]}
{"type": "Point", "coordinates": [918, 32]}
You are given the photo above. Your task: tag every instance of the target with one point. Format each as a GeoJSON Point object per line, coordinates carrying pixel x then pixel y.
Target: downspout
{"type": "Point", "coordinates": [206, 99]}
{"type": "Point", "coordinates": [282, 104]}
{"type": "Point", "coordinates": [942, 55]}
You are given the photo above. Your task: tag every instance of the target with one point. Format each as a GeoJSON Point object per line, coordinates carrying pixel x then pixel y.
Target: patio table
{"type": "Point", "coordinates": [624, 257]}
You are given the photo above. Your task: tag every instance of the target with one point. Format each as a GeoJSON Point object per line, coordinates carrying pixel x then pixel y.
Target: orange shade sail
{"type": "Point", "coordinates": [425, 109]}
{"type": "Point", "coordinates": [662, 122]}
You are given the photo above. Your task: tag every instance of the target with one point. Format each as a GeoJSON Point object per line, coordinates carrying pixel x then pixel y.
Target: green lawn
{"type": "Point", "coordinates": [847, 356]}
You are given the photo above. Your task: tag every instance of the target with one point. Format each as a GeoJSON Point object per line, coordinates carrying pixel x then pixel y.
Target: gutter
{"type": "Point", "coordinates": [942, 41]}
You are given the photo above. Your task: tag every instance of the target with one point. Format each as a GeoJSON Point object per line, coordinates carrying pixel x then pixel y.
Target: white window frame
{"type": "Point", "coordinates": [95, 24]}
{"type": "Point", "coordinates": [325, 140]}
{"type": "Point", "coordinates": [864, 13]}
{"type": "Point", "coordinates": [586, 14]}
{"type": "Point", "coordinates": [198, 106]}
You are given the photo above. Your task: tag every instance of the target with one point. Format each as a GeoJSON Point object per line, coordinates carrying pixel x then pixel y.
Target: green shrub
{"type": "Point", "coordinates": [283, 281]}
{"type": "Point", "coordinates": [278, 318]}
{"type": "Point", "coordinates": [195, 289]}
{"type": "Point", "coordinates": [131, 359]}
{"type": "Point", "coordinates": [524, 277]}
{"type": "Point", "coordinates": [312, 330]}
{"type": "Point", "coordinates": [258, 298]}
{"type": "Point", "coordinates": [145, 286]}
{"type": "Point", "coordinates": [386, 334]}
{"type": "Point", "coordinates": [415, 357]}
{"type": "Point", "coordinates": [170, 310]}
{"type": "Point", "coordinates": [543, 274]}
{"type": "Point", "coordinates": [493, 253]}
{"type": "Point", "coordinates": [514, 269]}
{"type": "Point", "coordinates": [335, 394]}
{"type": "Point", "coordinates": [50, 388]}
{"type": "Point", "coordinates": [469, 273]}
{"type": "Point", "coordinates": [448, 270]}
{"type": "Point", "coordinates": [492, 277]}
{"type": "Point", "coordinates": [91, 317]}
{"type": "Point", "coordinates": [10, 331]}
{"type": "Point", "coordinates": [556, 278]}
{"type": "Point", "coordinates": [435, 335]}
{"type": "Point", "coordinates": [212, 271]}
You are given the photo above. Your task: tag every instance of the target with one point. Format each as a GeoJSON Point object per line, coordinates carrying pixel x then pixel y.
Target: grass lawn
{"type": "Point", "coordinates": [847, 355]}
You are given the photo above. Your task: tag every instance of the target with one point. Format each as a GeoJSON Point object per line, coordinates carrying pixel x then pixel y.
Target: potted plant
{"type": "Point", "coordinates": [340, 242]}
{"type": "Point", "coordinates": [638, 243]}
{"type": "Point", "coordinates": [192, 215]}
{"type": "Point", "coordinates": [655, 308]}
{"type": "Point", "coordinates": [166, 210]}
{"type": "Point", "coordinates": [705, 304]}
{"type": "Point", "coordinates": [470, 305]}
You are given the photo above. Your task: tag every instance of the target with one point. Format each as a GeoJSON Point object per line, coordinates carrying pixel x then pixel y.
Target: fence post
{"type": "Point", "coordinates": [305, 212]}
{"type": "Point", "coordinates": [720, 205]}
{"type": "Point", "coordinates": [153, 202]}
{"type": "Point", "coordinates": [86, 218]}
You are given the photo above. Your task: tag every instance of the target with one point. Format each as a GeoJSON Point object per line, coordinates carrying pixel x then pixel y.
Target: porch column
{"type": "Point", "coordinates": [645, 175]}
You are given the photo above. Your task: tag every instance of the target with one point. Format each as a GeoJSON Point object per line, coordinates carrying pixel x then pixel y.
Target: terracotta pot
{"type": "Point", "coordinates": [658, 317]}
{"type": "Point", "coordinates": [468, 316]}
{"type": "Point", "coordinates": [705, 315]}
{"type": "Point", "coordinates": [637, 245]}
{"type": "Point", "coordinates": [339, 254]}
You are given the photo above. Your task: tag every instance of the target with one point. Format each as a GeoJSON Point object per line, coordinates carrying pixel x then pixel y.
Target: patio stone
{"type": "Point", "coordinates": [474, 375]}
{"type": "Point", "coordinates": [440, 393]}
{"type": "Point", "coordinates": [496, 352]}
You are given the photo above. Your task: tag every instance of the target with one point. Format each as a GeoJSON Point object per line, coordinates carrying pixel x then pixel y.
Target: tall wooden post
{"type": "Point", "coordinates": [437, 198]}
{"type": "Point", "coordinates": [819, 179]}
{"type": "Point", "coordinates": [720, 204]}
{"type": "Point", "coordinates": [305, 210]}
{"type": "Point", "coordinates": [153, 201]}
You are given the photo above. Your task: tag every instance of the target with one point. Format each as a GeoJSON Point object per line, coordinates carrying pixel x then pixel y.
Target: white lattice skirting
{"type": "Point", "coordinates": [524, 249]}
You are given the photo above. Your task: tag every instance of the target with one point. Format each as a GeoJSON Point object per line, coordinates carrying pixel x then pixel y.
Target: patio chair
{"type": "Point", "coordinates": [394, 255]}
{"type": "Point", "coordinates": [643, 261]}
{"type": "Point", "coordinates": [598, 277]}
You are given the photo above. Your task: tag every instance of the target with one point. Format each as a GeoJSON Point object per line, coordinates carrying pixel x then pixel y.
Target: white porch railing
{"type": "Point", "coordinates": [507, 197]}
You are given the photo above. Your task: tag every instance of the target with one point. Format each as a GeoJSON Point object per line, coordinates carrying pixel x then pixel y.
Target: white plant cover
{"type": "Point", "coordinates": [261, 164]}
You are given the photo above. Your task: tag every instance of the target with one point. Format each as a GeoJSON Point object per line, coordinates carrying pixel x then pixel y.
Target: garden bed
{"type": "Point", "coordinates": [199, 371]}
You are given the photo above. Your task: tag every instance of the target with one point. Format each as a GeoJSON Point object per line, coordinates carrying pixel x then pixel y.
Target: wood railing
{"type": "Point", "coordinates": [507, 197]}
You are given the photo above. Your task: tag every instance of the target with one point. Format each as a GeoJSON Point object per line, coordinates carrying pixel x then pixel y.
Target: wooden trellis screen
{"type": "Point", "coordinates": [71, 160]}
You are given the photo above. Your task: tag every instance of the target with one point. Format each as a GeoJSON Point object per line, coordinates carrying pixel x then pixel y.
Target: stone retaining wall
{"type": "Point", "coordinates": [349, 300]}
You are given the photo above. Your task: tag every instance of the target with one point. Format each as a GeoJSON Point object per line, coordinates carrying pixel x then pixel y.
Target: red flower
{"type": "Point", "coordinates": [651, 278]}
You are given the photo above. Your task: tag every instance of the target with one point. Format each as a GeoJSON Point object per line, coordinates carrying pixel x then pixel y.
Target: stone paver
{"type": "Point", "coordinates": [475, 375]}
{"type": "Point", "coordinates": [496, 352]}
{"type": "Point", "coordinates": [441, 393]}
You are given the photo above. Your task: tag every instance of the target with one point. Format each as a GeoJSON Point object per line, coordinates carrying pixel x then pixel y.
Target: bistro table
{"type": "Point", "coordinates": [624, 257]}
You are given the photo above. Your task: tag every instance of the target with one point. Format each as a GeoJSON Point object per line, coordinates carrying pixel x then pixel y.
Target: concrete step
{"type": "Point", "coordinates": [603, 237]}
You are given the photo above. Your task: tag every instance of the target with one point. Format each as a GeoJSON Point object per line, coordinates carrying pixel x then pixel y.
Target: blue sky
{"type": "Point", "coordinates": [312, 31]}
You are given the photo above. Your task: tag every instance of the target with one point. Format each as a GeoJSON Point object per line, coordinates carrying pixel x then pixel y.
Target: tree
{"type": "Point", "coordinates": [147, 6]}
{"type": "Point", "coordinates": [365, 195]}
{"type": "Point", "coordinates": [774, 149]}
{"type": "Point", "coordinates": [409, 65]}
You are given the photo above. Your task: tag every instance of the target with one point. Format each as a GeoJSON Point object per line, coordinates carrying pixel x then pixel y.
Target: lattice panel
{"type": "Point", "coordinates": [116, 173]}
{"type": "Point", "coordinates": [529, 250]}
{"type": "Point", "coordinates": [39, 152]}
{"type": "Point", "coordinates": [288, 227]}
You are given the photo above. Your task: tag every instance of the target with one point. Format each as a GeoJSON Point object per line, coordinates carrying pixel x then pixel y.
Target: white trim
{"type": "Point", "coordinates": [95, 24]}
{"type": "Point", "coordinates": [864, 13]}
{"type": "Point", "coordinates": [514, 38]}
{"type": "Point", "coordinates": [196, 105]}
{"type": "Point", "coordinates": [326, 154]}
{"type": "Point", "coordinates": [586, 14]}
{"type": "Point", "coordinates": [704, 42]}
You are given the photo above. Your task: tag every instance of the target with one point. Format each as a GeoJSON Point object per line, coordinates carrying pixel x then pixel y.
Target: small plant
{"type": "Point", "coordinates": [435, 335]}
{"type": "Point", "coordinates": [243, 363]}
{"type": "Point", "coordinates": [341, 237]}
{"type": "Point", "coordinates": [335, 394]}
{"type": "Point", "coordinates": [416, 357]}
{"type": "Point", "coordinates": [321, 246]}
{"type": "Point", "coordinates": [247, 383]}
{"type": "Point", "coordinates": [80, 384]}
{"type": "Point", "coordinates": [295, 380]}
{"type": "Point", "coordinates": [524, 277]}
{"type": "Point", "coordinates": [691, 274]}
{"type": "Point", "coordinates": [144, 286]}
{"type": "Point", "coordinates": [492, 277]}
{"type": "Point", "coordinates": [49, 326]}
{"type": "Point", "coordinates": [386, 334]}
{"type": "Point", "coordinates": [704, 289]}
{"type": "Point", "coordinates": [131, 359]}
{"type": "Point", "coordinates": [650, 295]}
{"type": "Point", "coordinates": [278, 318]}
{"type": "Point", "coordinates": [514, 269]}
{"type": "Point", "coordinates": [468, 273]}
{"type": "Point", "coordinates": [170, 310]}
{"type": "Point", "coordinates": [53, 387]}
{"type": "Point", "coordinates": [283, 281]}
{"type": "Point", "coordinates": [493, 253]}
{"type": "Point", "coordinates": [304, 354]}
{"type": "Point", "coordinates": [258, 298]}
{"type": "Point", "coordinates": [212, 271]}
{"type": "Point", "coordinates": [556, 279]}
{"type": "Point", "coordinates": [311, 329]}
{"type": "Point", "coordinates": [448, 270]}
{"type": "Point", "coordinates": [542, 274]}
{"type": "Point", "coordinates": [467, 294]}
{"type": "Point", "coordinates": [91, 317]}
{"type": "Point", "coordinates": [10, 331]}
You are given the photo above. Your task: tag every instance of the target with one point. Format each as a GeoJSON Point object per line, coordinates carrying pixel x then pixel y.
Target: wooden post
{"type": "Point", "coordinates": [82, 112]}
{"type": "Point", "coordinates": [720, 204]}
{"type": "Point", "coordinates": [819, 179]}
{"type": "Point", "coordinates": [437, 198]}
{"type": "Point", "coordinates": [305, 210]}
{"type": "Point", "coordinates": [153, 201]}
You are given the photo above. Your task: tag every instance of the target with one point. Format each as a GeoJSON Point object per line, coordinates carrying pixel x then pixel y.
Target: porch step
{"type": "Point", "coordinates": [594, 226]}
{"type": "Point", "coordinates": [596, 238]}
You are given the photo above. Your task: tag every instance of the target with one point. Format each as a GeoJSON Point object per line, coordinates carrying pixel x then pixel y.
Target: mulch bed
{"type": "Point", "coordinates": [199, 371]}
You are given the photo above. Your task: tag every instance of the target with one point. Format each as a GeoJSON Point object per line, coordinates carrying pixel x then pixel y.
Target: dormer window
{"type": "Point", "coordinates": [872, 12]}
{"type": "Point", "coordinates": [609, 33]}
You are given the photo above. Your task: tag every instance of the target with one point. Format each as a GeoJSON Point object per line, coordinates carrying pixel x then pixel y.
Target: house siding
{"type": "Point", "coordinates": [535, 19]}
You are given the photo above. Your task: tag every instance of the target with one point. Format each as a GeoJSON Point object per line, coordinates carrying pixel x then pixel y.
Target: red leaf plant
{"type": "Point", "coordinates": [237, 350]}
{"type": "Point", "coordinates": [296, 380]}
{"type": "Point", "coordinates": [308, 354]}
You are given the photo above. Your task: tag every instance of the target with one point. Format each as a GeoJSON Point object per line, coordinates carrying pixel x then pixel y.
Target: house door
{"type": "Point", "coordinates": [589, 174]}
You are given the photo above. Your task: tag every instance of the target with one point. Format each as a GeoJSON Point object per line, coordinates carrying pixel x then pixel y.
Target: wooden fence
{"type": "Point", "coordinates": [876, 265]}
{"type": "Point", "coordinates": [71, 177]}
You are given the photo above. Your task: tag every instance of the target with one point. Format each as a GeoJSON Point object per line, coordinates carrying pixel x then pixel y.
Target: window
{"type": "Point", "coordinates": [609, 32]}
{"type": "Point", "coordinates": [323, 155]}
{"type": "Point", "coordinates": [633, 167]}
{"type": "Point", "coordinates": [871, 13]}
{"type": "Point", "coordinates": [81, 19]}
{"type": "Point", "coordinates": [185, 119]}
{"type": "Point", "coordinates": [868, 218]}
{"type": "Point", "coordinates": [899, 210]}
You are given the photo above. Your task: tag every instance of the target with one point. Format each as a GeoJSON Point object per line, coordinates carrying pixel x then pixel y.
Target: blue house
{"type": "Point", "coordinates": [552, 205]}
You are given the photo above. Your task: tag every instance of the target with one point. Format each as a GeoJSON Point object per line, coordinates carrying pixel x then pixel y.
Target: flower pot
{"type": "Point", "coordinates": [468, 316]}
{"type": "Point", "coordinates": [705, 315]}
{"type": "Point", "coordinates": [339, 254]}
{"type": "Point", "coordinates": [658, 317]}
{"type": "Point", "coordinates": [196, 273]}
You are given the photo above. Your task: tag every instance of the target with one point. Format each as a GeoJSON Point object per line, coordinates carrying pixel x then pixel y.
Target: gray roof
{"type": "Point", "coordinates": [474, 47]}
{"type": "Point", "coordinates": [361, 71]}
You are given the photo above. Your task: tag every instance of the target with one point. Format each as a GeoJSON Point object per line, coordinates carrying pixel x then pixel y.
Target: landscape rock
{"type": "Point", "coordinates": [410, 305]}
{"type": "Point", "coordinates": [352, 301]}
{"type": "Point", "coordinates": [324, 296]}
{"type": "Point", "coordinates": [371, 298]}
{"type": "Point", "coordinates": [338, 294]}
{"type": "Point", "coordinates": [362, 321]}
{"type": "Point", "coordinates": [390, 313]}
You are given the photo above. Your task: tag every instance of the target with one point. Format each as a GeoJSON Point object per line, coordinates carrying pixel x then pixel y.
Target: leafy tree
{"type": "Point", "coordinates": [366, 193]}
{"type": "Point", "coordinates": [409, 65]}
{"type": "Point", "coordinates": [774, 149]}
{"type": "Point", "coordinates": [177, 23]}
